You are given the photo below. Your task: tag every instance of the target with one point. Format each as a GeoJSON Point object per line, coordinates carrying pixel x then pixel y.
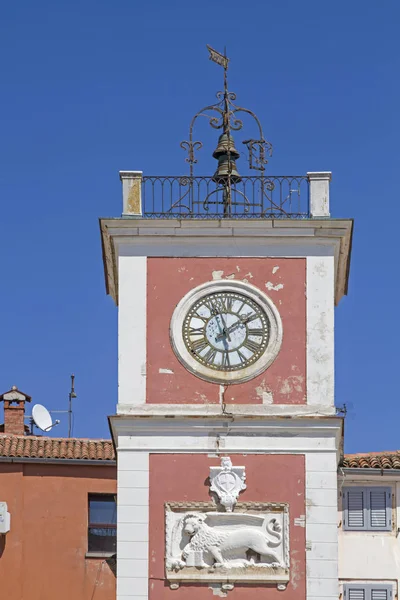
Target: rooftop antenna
{"type": "Point", "coordinates": [42, 418]}
{"type": "Point", "coordinates": [71, 395]}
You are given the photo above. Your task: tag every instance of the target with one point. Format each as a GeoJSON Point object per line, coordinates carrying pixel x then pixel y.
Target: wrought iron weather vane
{"type": "Point", "coordinates": [227, 176]}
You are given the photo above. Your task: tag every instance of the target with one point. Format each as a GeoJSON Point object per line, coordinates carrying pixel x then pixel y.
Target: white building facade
{"type": "Point", "coordinates": [368, 524]}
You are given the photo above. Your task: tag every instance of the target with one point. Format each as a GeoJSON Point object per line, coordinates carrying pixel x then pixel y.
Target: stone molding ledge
{"type": "Point", "coordinates": [226, 237]}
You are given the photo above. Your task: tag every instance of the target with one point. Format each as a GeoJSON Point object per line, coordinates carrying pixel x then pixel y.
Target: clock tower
{"type": "Point", "coordinates": [226, 431]}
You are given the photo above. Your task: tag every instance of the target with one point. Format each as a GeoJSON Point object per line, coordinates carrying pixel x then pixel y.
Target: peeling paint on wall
{"type": "Point", "coordinates": [221, 394]}
{"type": "Point", "coordinates": [264, 393]}
{"type": "Point", "coordinates": [217, 275]}
{"type": "Point", "coordinates": [295, 576]}
{"type": "Point", "coordinates": [290, 384]}
{"type": "Point", "coordinates": [217, 590]}
{"type": "Point", "coordinates": [321, 269]}
{"type": "Point", "coordinates": [270, 286]}
{"type": "Point", "coordinates": [274, 270]}
{"type": "Point", "coordinates": [267, 398]}
{"type": "Point", "coordinates": [166, 371]}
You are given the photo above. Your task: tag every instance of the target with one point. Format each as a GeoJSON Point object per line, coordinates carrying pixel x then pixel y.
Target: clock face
{"type": "Point", "coordinates": [226, 331]}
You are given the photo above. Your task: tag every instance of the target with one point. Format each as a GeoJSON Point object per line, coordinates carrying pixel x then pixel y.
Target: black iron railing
{"type": "Point", "coordinates": [200, 197]}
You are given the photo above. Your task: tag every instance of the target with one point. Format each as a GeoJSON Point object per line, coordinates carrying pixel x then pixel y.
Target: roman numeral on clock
{"type": "Point", "coordinates": [252, 346]}
{"type": "Point", "coordinates": [242, 357]}
{"type": "Point", "coordinates": [240, 308]}
{"type": "Point", "coordinates": [204, 319]}
{"type": "Point", "coordinates": [225, 304]}
{"type": "Point", "coordinates": [255, 331]}
{"type": "Point", "coordinates": [251, 318]}
{"type": "Point", "coordinates": [225, 360]}
{"type": "Point", "coordinates": [210, 355]}
{"type": "Point", "coordinates": [196, 331]}
{"type": "Point", "coordinates": [211, 307]}
{"type": "Point", "coordinates": [199, 345]}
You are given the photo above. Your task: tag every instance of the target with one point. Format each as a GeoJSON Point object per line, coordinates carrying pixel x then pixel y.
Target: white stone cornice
{"type": "Point", "coordinates": [231, 410]}
{"type": "Point", "coordinates": [226, 433]}
{"type": "Point", "coordinates": [227, 237]}
{"type": "Point", "coordinates": [109, 262]}
{"type": "Point", "coordinates": [361, 474]}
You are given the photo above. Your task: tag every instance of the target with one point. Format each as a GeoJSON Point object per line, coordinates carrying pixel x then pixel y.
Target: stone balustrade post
{"type": "Point", "coordinates": [131, 193]}
{"type": "Point", "coordinates": [319, 193]}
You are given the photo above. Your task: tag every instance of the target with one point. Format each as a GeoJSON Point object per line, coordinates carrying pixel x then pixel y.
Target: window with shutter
{"type": "Point", "coordinates": [367, 591]}
{"type": "Point", "coordinates": [367, 509]}
{"type": "Point", "coordinates": [356, 508]}
{"type": "Point", "coordinates": [356, 594]}
{"type": "Point", "coordinates": [378, 502]}
{"type": "Point", "coordinates": [380, 594]}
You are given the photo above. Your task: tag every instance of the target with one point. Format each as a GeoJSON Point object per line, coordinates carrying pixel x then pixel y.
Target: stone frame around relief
{"type": "Point", "coordinates": [247, 515]}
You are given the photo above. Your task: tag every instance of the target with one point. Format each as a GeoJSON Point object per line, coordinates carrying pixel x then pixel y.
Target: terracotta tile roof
{"type": "Point", "coordinates": [372, 460]}
{"type": "Point", "coordinates": [30, 446]}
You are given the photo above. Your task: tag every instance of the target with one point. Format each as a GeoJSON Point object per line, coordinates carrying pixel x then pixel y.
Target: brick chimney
{"type": "Point", "coordinates": [14, 411]}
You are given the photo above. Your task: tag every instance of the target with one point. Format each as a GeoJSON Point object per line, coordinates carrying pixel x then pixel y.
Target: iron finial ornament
{"type": "Point", "coordinates": [223, 115]}
{"type": "Point", "coordinates": [217, 57]}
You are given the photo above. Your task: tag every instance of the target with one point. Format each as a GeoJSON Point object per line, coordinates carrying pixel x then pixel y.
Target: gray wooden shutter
{"type": "Point", "coordinates": [367, 591]}
{"type": "Point", "coordinates": [380, 592]}
{"type": "Point", "coordinates": [355, 508]}
{"type": "Point", "coordinates": [380, 508]}
{"type": "Point", "coordinates": [355, 592]}
{"type": "Point", "coordinates": [367, 509]}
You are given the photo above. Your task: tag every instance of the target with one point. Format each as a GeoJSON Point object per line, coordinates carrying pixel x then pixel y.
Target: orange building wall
{"type": "Point", "coordinates": [169, 279]}
{"type": "Point", "coordinates": [43, 555]}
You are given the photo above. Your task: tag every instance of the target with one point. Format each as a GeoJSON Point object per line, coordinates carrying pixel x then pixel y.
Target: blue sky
{"type": "Point", "coordinates": [93, 87]}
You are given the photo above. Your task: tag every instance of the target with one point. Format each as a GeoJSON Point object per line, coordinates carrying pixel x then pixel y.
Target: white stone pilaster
{"type": "Point", "coordinates": [133, 526]}
{"type": "Point", "coordinates": [132, 330]}
{"type": "Point", "coordinates": [321, 526]}
{"type": "Point", "coordinates": [320, 282]}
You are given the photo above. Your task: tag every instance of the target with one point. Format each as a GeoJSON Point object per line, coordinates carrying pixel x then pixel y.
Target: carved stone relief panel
{"type": "Point", "coordinates": [249, 545]}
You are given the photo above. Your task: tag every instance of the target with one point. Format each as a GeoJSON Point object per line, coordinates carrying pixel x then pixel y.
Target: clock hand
{"type": "Point", "coordinates": [229, 330]}
{"type": "Point", "coordinates": [222, 330]}
{"type": "Point", "coordinates": [226, 332]}
{"type": "Point", "coordinates": [214, 309]}
{"type": "Point", "coordinates": [245, 318]}
{"type": "Point", "coordinates": [242, 320]}
{"type": "Point", "coordinates": [225, 329]}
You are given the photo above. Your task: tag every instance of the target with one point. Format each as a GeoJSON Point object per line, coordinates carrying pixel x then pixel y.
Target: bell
{"type": "Point", "coordinates": [226, 154]}
{"type": "Point", "coordinates": [225, 144]}
{"type": "Point", "coordinates": [226, 169]}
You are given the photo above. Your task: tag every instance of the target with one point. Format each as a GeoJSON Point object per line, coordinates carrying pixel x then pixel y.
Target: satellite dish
{"type": "Point", "coordinates": [42, 418]}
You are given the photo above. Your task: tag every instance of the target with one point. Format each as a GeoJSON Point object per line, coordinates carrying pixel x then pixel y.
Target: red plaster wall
{"type": "Point", "coordinates": [169, 279]}
{"type": "Point", "coordinates": [184, 477]}
{"type": "Point", "coordinates": [43, 555]}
